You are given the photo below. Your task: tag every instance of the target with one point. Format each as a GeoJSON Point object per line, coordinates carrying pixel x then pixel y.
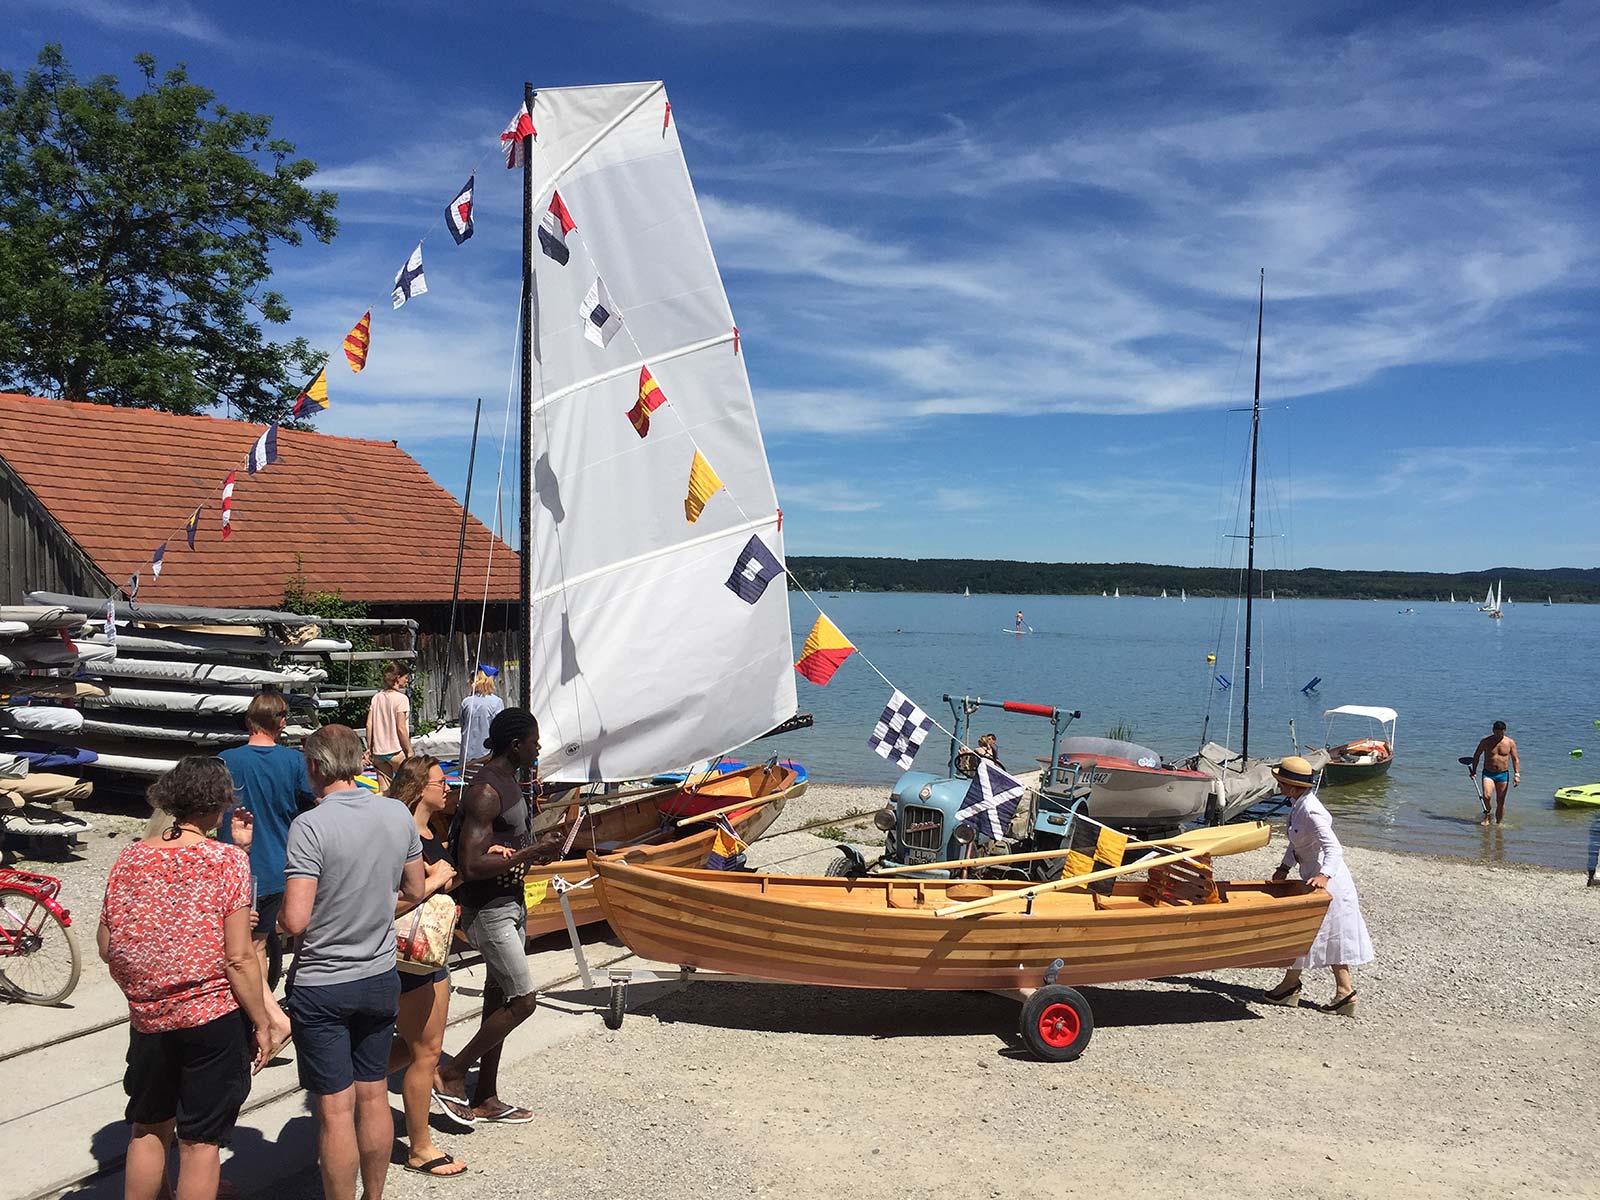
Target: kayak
{"type": "Point", "coordinates": [1584, 795]}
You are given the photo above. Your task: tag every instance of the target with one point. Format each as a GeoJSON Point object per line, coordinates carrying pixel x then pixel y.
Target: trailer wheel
{"type": "Point", "coordinates": [1056, 1023]}
{"type": "Point", "coordinates": [618, 1008]}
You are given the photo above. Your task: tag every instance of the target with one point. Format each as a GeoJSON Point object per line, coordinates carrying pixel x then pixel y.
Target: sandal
{"type": "Point", "coordinates": [1345, 1005]}
{"type": "Point", "coordinates": [507, 1114]}
{"type": "Point", "coordinates": [457, 1110]}
{"type": "Point", "coordinates": [1288, 998]}
{"type": "Point", "coordinates": [431, 1167]}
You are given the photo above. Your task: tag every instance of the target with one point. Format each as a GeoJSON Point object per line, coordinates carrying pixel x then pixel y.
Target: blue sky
{"type": "Point", "coordinates": [995, 264]}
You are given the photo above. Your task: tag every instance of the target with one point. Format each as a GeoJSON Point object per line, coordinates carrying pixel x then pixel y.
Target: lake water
{"type": "Point", "coordinates": [1449, 670]}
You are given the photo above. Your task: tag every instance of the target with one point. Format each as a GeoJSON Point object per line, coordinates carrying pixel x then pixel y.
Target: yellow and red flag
{"type": "Point", "coordinates": [313, 395]}
{"type": "Point", "coordinates": [825, 649]}
{"type": "Point", "coordinates": [651, 397]}
{"type": "Point", "coordinates": [356, 343]}
{"type": "Point", "coordinates": [703, 484]}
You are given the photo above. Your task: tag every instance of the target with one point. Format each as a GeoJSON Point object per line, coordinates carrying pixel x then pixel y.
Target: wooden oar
{"type": "Point", "coordinates": [972, 906]}
{"type": "Point", "coordinates": [728, 808]}
{"type": "Point", "coordinates": [1225, 839]}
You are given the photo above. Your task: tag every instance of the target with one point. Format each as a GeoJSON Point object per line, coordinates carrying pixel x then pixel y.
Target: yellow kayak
{"type": "Point", "coordinates": [1585, 795]}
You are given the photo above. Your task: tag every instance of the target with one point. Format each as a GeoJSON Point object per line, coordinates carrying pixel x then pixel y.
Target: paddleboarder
{"type": "Point", "coordinates": [1019, 620]}
{"type": "Point", "coordinates": [1501, 767]}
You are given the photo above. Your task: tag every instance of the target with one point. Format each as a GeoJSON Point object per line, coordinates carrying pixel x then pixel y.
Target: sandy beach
{"type": "Point", "coordinates": [1469, 1071]}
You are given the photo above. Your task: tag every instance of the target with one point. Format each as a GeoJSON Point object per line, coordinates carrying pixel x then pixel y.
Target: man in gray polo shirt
{"type": "Point", "coordinates": [348, 861]}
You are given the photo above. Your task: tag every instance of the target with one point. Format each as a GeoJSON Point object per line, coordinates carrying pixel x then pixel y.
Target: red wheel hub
{"type": "Point", "coordinates": [1059, 1025]}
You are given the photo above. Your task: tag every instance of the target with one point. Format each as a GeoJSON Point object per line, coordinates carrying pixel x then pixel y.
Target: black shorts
{"type": "Point", "coordinates": [267, 910]}
{"type": "Point", "coordinates": [201, 1076]}
{"type": "Point", "coordinates": [342, 1031]}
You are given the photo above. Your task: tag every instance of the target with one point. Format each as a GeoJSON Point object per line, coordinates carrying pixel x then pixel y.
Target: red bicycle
{"type": "Point", "coordinates": [39, 962]}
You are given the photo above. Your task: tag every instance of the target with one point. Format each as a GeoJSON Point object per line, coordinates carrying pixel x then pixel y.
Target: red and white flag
{"type": "Point", "coordinates": [227, 503]}
{"type": "Point", "coordinates": [513, 141]}
{"type": "Point", "coordinates": [553, 229]}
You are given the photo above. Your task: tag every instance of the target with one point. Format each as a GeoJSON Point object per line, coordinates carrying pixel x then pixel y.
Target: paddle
{"type": "Point", "coordinates": [1226, 839]}
{"type": "Point", "coordinates": [973, 906]}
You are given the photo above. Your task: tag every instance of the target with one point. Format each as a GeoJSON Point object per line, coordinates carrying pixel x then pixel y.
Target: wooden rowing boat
{"type": "Point", "coordinates": [647, 830]}
{"type": "Point", "coordinates": [883, 933]}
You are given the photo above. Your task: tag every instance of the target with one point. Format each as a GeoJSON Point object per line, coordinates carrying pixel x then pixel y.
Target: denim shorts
{"type": "Point", "coordinates": [498, 931]}
{"type": "Point", "coordinates": [342, 1031]}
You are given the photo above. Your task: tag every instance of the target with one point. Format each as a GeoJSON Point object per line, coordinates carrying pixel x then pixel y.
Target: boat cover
{"type": "Point", "coordinates": [163, 727]}
{"type": "Point", "coordinates": [164, 671]}
{"type": "Point", "coordinates": [42, 719]}
{"type": "Point", "coordinates": [160, 700]}
{"type": "Point", "coordinates": [190, 645]}
{"type": "Point", "coordinates": [46, 756]}
{"type": "Point", "coordinates": [174, 613]}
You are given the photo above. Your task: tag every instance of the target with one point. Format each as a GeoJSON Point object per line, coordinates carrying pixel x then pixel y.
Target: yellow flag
{"type": "Point", "coordinates": [533, 891]}
{"type": "Point", "coordinates": [703, 484]}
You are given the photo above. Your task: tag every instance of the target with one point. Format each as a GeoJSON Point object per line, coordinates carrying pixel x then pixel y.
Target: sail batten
{"type": "Point", "coordinates": [644, 659]}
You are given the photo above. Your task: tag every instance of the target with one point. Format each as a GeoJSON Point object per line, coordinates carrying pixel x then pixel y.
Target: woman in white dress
{"type": "Point", "coordinates": [1342, 942]}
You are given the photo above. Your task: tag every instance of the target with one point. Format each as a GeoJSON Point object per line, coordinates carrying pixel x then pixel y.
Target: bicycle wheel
{"type": "Point", "coordinates": [39, 961]}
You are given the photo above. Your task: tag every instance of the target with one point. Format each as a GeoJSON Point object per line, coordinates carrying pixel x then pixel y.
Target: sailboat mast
{"type": "Point", "coordinates": [1250, 552]}
{"type": "Point", "coordinates": [525, 512]}
{"type": "Point", "coordinates": [461, 552]}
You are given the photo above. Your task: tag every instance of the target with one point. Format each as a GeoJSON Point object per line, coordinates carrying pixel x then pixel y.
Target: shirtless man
{"type": "Point", "coordinates": [1500, 766]}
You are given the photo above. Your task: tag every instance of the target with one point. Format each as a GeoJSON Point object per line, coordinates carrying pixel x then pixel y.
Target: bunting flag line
{"type": "Point", "coordinates": [703, 484]}
{"type": "Point", "coordinates": [900, 731]}
{"type": "Point", "coordinates": [356, 344]}
{"type": "Point", "coordinates": [458, 215]}
{"type": "Point", "coordinates": [133, 587]}
{"type": "Point", "coordinates": [111, 626]}
{"type": "Point", "coordinates": [265, 452]}
{"type": "Point", "coordinates": [192, 525]}
{"type": "Point", "coordinates": [736, 341]}
{"type": "Point", "coordinates": [601, 320]}
{"type": "Point", "coordinates": [1095, 848]}
{"type": "Point", "coordinates": [727, 849]}
{"type": "Point", "coordinates": [513, 141]}
{"type": "Point", "coordinates": [410, 282]}
{"type": "Point", "coordinates": [825, 649]}
{"type": "Point", "coordinates": [554, 226]}
{"type": "Point", "coordinates": [991, 801]}
{"type": "Point", "coordinates": [666, 118]}
{"type": "Point", "coordinates": [155, 560]}
{"type": "Point", "coordinates": [315, 393]}
{"type": "Point", "coordinates": [227, 504]}
{"type": "Point", "coordinates": [651, 397]}
{"type": "Point", "coordinates": [757, 567]}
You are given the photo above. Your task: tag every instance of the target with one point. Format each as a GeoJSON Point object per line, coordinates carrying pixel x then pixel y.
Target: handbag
{"type": "Point", "coordinates": [422, 936]}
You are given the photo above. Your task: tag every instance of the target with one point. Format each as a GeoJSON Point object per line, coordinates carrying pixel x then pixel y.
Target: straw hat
{"type": "Point", "coordinates": [1294, 769]}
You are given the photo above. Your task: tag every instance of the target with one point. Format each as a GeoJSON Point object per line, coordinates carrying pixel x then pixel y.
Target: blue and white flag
{"type": "Point", "coordinates": [991, 801]}
{"type": "Point", "coordinates": [601, 320]}
{"type": "Point", "coordinates": [757, 567]}
{"type": "Point", "coordinates": [410, 282]}
{"type": "Point", "coordinates": [458, 216]}
{"type": "Point", "coordinates": [156, 560]}
{"type": "Point", "coordinates": [901, 730]}
{"type": "Point", "coordinates": [265, 452]}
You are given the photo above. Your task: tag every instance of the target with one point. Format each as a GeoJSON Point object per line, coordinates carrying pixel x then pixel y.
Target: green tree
{"type": "Point", "coordinates": [134, 237]}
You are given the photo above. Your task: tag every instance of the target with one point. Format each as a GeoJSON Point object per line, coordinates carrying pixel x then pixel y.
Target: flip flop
{"type": "Point", "coordinates": [457, 1110]}
{"type": "Point", "coordinates": [509, 1114]}
{"type": "Point", "coordinates": [431, 1167]}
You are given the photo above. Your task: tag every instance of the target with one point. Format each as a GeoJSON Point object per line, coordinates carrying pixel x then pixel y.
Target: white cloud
{"type": "Point", "coordinates": [169, 17]}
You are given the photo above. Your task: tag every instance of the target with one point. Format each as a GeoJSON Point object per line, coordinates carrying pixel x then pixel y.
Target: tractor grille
{"type": "Point", "coordinates": [922, 829]}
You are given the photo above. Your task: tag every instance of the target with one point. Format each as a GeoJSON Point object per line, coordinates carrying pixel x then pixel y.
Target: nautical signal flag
{"type": "Point", "coordinates": [512, 141]}
{"type": "Point", "coordinates": [825, 650]}
{"type": "Point", "coordinates": [410, 282]}
{"type": "Point", "coordinates": [315, 393]}
{"type": "Point", "coordinates": [991, 801]}
{"type": "Point", "coordinates": [356, 344]}
{"type": "Point", "coordinates": [1094, 848]}
{"type": "Point", "coordinates": [265, 452]}
{"type": "Point", "coordinates": [900, 731]}
{"type": "Point", "coordinates": [651, 397]}
{"type": "Point", "coordinates": [601, 320]}
{"type": "Point", "coordinates": [227, 504]}
{"type": "Point", "coordinates": [757, 567]}
{"type": "Point", "coordinates": [458, 215]}
{"type": "Point", "coordinates": [554, 226]}
{"type": "Point", "coordinates": [703, 484]}
{"type": "Point", "coordinates": [156, 559]}
{"type": "Point", "coordinates": [192, 525]}
{"type": "Point", "coordinates": [727, 849]}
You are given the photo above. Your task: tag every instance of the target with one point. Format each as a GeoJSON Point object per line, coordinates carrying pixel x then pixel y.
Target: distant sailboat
{"type": "Point", "coordinates": [1452, 597]}
{"type": "Point", "coordinates": [1496, 602]}
{"type": "Point", "coordinates": [1548, 602]}
{"type": "Point", "coordinates": [1102, 591]}
{"type": "Point", "coordinates": [1274, 595]}
{"type": "Point", "coordinates": [967, 592]}
{"type": "Point", "coordinates": [1163, 593]}
{"type": "Point", "coordinates": [1183, 596]}
{"type": "Point", "coordinates": [1116, 594]}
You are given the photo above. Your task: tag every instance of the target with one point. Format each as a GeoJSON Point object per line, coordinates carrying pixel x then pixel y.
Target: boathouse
{"type": "Point", "coordinates": [89, 492]}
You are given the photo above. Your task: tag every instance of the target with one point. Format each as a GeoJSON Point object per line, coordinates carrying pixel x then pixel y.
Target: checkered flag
{"type": "Point", "coordinates": [901, 730]}
{"type": "Point", "coordinates": [991, 801]}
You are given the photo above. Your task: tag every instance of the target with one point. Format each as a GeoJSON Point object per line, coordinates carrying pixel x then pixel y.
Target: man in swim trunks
{"type": "Point", "coordinates": [1501, 766]}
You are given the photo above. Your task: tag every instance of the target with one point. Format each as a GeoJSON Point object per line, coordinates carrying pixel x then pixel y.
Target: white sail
{"type": "Point", "coordinates": [1163, 593]}
{"type": "Point", "coordinates": [1183, 596]}
{"type": "Point", "coordinates": [643, 660]}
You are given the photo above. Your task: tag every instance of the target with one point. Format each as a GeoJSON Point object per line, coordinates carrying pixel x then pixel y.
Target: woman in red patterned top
{"type": "Point", "coordinates": [175, 931]}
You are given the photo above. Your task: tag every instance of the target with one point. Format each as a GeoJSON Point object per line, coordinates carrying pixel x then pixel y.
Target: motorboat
{"type": "Point", "coordinates": [1364, 757]}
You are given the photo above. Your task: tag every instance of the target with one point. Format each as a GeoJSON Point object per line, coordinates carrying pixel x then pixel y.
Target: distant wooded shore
{"type": "Point", "coordinates": [1561, 585]}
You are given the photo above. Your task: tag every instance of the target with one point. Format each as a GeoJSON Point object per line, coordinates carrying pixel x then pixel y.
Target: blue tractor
{"type": "Point", "coordinates": [920, 823]}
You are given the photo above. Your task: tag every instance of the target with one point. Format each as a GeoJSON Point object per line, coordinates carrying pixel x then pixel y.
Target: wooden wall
{"type": "Point", "coordinates": [450, 675]}
{"type": "Point", "coordinates": [36, 554]}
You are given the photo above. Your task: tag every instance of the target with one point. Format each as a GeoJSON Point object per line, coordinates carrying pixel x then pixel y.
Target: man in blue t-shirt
{"type": "Point", "coordinates": [273, 788]}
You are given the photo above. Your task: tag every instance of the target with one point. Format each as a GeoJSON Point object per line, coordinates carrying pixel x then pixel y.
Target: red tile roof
{"type": "Point", "coordinates": [352, 515]}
